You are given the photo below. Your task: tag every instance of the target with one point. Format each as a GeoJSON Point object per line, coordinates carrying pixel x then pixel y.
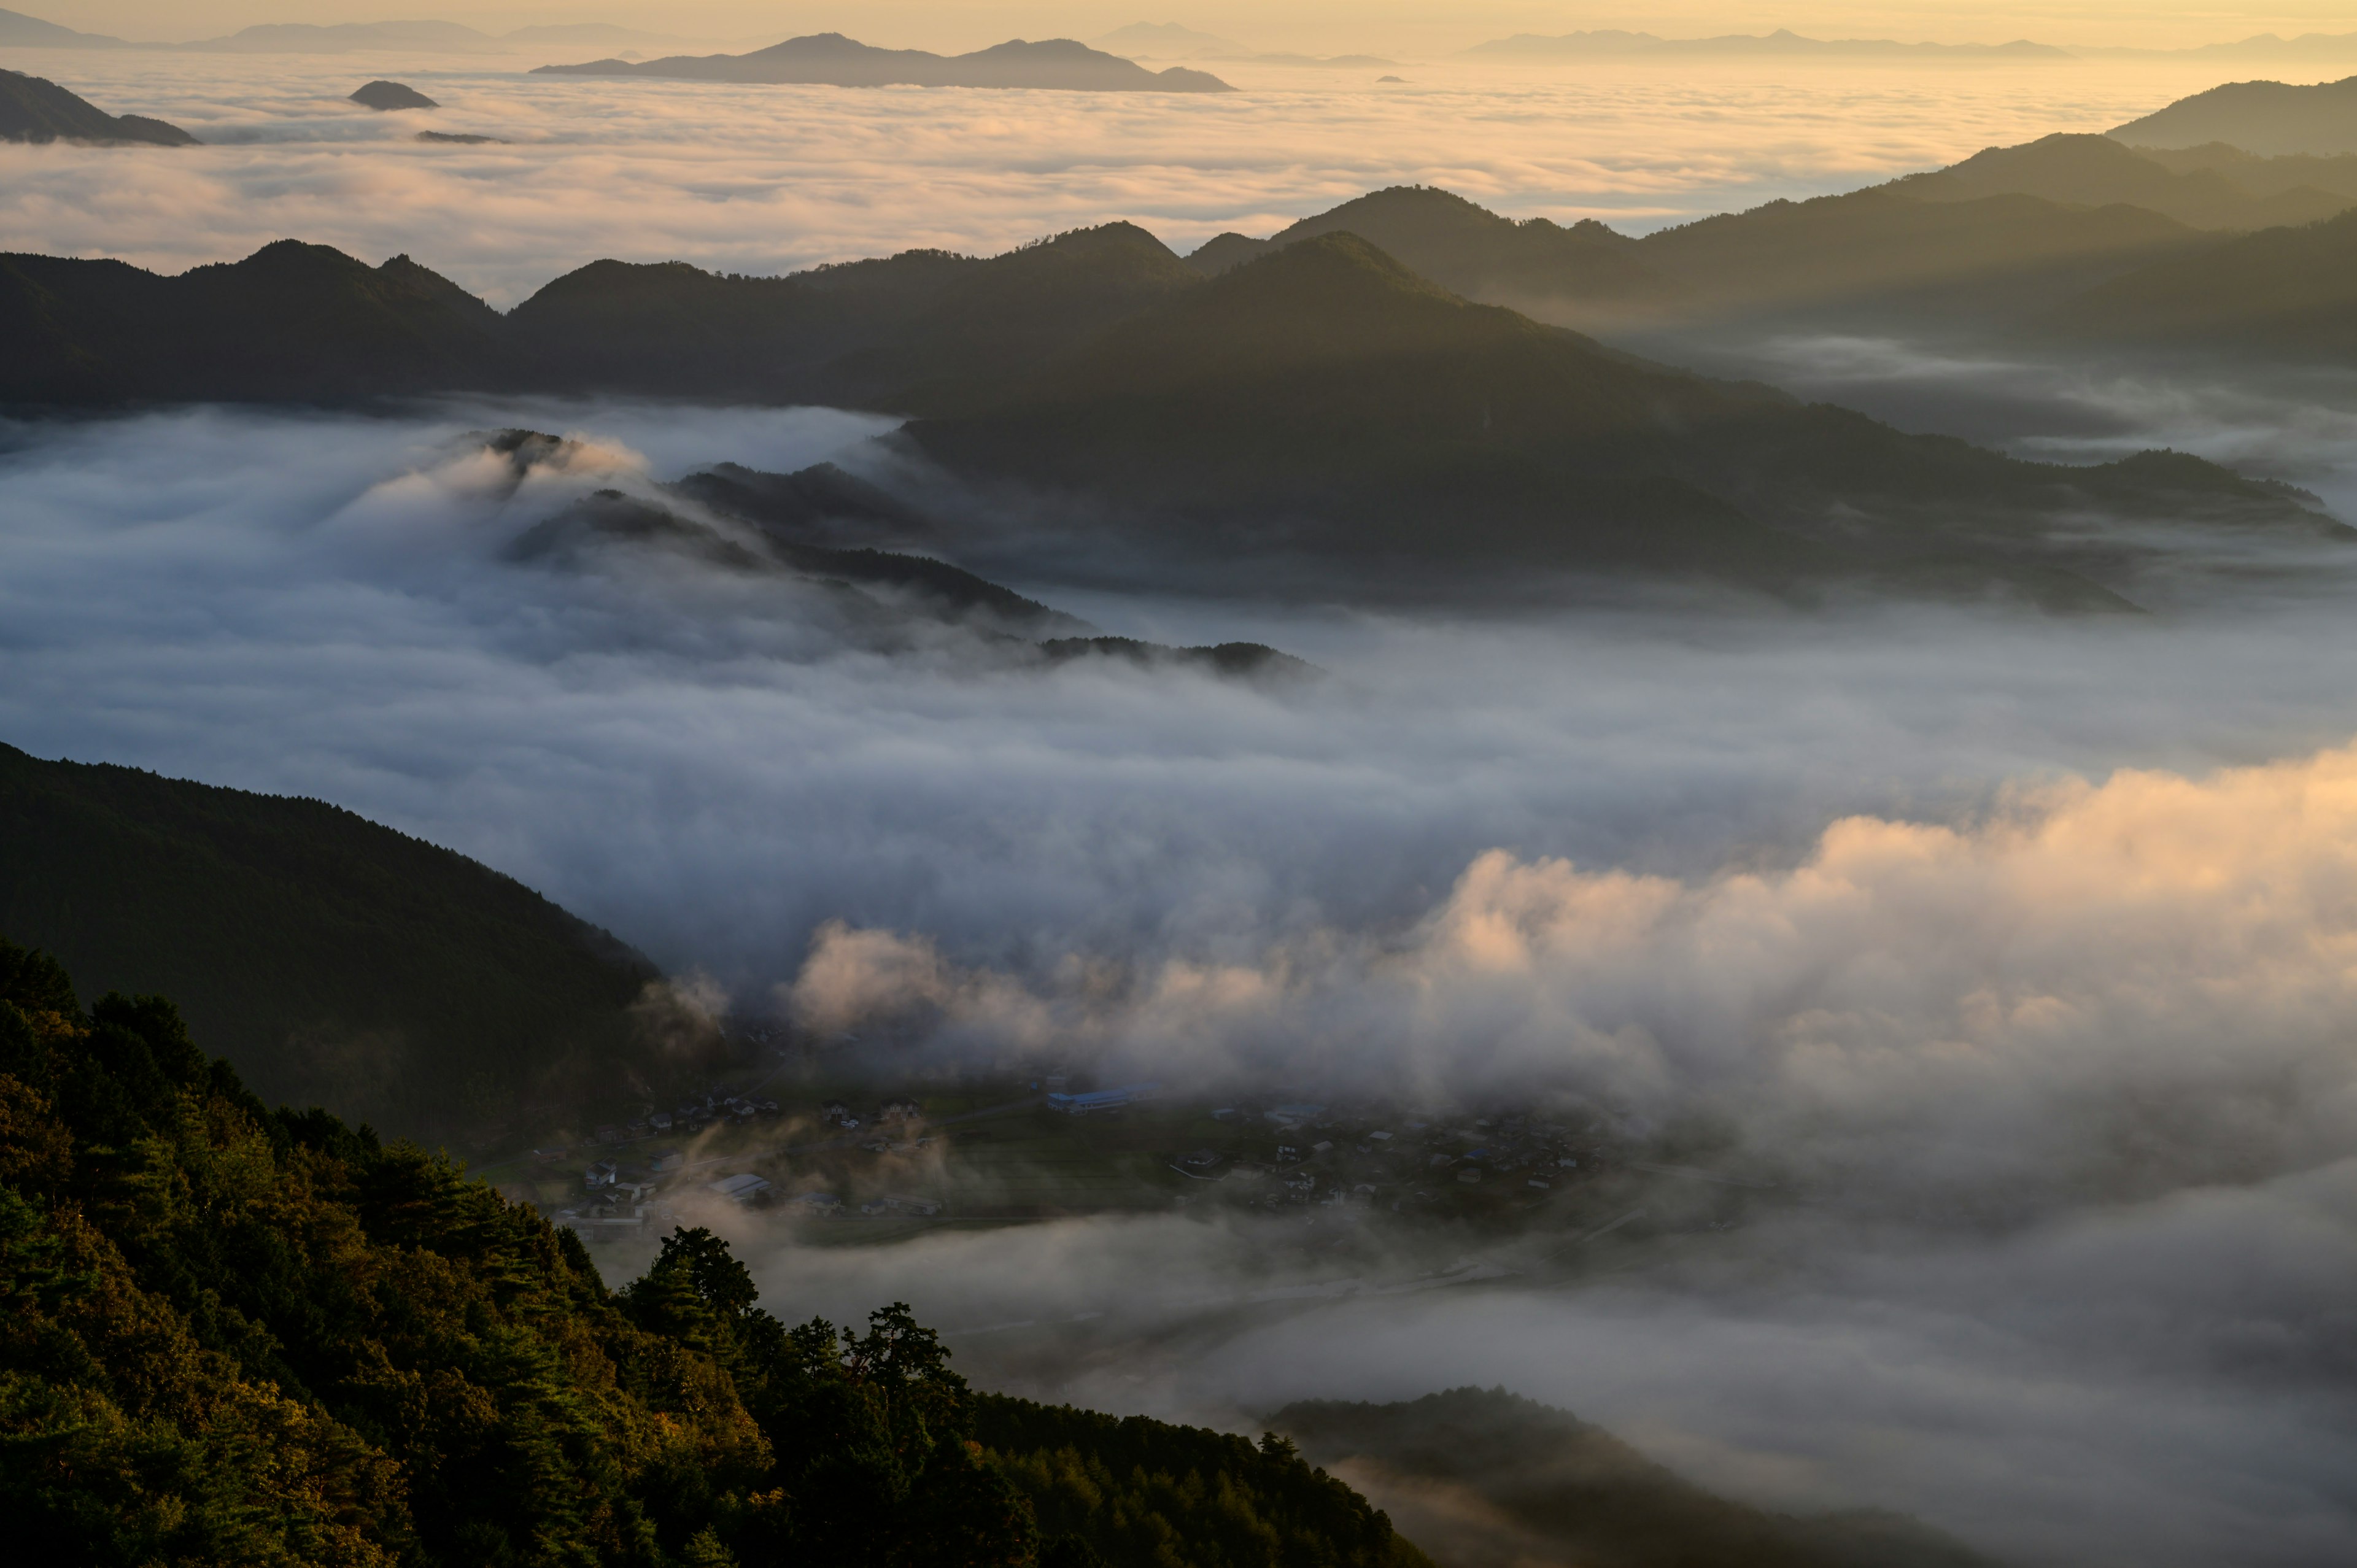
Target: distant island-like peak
{"type": "Point", "coordinates": [831, 60]}
{"type": "Point", "coordinates": [390, 95]}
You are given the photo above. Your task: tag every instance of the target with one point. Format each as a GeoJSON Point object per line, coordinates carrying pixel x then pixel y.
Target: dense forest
{"type": "Point", "coordinates": [233, 1334]}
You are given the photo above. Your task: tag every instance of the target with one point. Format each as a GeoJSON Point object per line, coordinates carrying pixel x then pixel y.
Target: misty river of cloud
{"type": "Point", "coordinates": [2013, 948]}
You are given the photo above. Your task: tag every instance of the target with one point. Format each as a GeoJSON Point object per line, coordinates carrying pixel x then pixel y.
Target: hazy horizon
{"type": "Point", "coordinates": [1321, 26]}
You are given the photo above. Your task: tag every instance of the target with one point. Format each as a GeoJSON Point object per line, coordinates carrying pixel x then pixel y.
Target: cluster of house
{"type": "Point", "coordinates": [836, 1114]}
{"type": "Point", "coordinates": [688, 1116]}
{"type": "Point", "coordinates": [1335, 1157]}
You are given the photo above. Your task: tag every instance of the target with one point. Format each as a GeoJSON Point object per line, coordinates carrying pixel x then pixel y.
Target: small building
{"type": "Point", "coordinates": [818, 1205]}
{"type": "Point", "coordinates": [601, 1175]}
{"type": "Point", "coordinates": [1294, 1115]}
{"type": "Point", "coordinates": [659, 1121]}
{"type": "Point", "coordinates": [663, 1162]}
{"type": "Point", "coordinates": [924, 1208]}
{"type": "Point", "coordinates": [1468, 1175]}
{"type": "Point", "coordinates": [1103, 1099]}
{"type": "Point", "coordinates": [744, 1189]}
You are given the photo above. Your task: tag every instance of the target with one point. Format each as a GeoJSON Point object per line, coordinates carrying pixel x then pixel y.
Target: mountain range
{"type": "Point", "coordinates": [833, 59]}
{"type": "Point", "coordinates": [1781, 43]}
{"type": "Point", "coordinates": [20, 31]}
{"type": "Point", "coordinates": [1322, 410]}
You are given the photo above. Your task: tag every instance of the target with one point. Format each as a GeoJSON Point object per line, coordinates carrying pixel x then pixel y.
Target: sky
{"type": "Point", "coordinates": [1331, 25]}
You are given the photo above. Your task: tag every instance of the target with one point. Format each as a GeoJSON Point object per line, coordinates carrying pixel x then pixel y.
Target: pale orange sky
{"type": "Point", "coordinates": [1400, 26]}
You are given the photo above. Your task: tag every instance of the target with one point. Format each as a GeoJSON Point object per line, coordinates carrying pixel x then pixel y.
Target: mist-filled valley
{"type": "Point", "coordinates": [1675, 893]}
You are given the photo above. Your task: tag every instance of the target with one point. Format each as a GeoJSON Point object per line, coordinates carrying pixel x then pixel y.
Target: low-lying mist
{"type": "Point", "coordinates": [2012, 951]}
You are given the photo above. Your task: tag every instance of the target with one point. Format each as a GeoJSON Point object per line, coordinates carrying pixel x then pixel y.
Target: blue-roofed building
{"type": "Point", "coordinates": [1103, 1099]}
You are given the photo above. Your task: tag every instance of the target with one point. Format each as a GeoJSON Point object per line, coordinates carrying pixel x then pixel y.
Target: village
{"type": "Point", "coordinates": [842, 1161]}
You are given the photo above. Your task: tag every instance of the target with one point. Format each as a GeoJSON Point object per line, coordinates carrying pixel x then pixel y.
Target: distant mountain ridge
{"type": "Point", "coordinates": [20, 31]}
{"type": "Point", "coordinates": [833, 61]}
{"type": "Point", "coordinates": [1783, 42]}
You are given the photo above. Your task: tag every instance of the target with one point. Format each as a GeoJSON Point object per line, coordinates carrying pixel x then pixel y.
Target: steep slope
{"type": "Point", "coordinates": [2097, 171]}
{"type": "Point", "coordinates": [34, 109]}
{"type": "Point", "coordinates": [291, 322]}
{"type": "Point", "coordinates": [235, 1335]}
{"type": "Point", "coordinates": [2268, 117]}
{"type": "Point", "coordinates": [2283, 292]}
{"type": "Point", "coordinates": [831, 60]}
{"type": "Point", "coordinates": [1324, 404]}
{"type": "Point", "coordinates": [1493, 1481]}
{"type": "Point", "coordinates": [339, 962]}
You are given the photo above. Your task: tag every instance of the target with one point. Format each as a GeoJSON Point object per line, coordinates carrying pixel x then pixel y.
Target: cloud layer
{"type": "Point", "coordinates": [2050, 1058]}
{"type": "Point", "coordinates": [768, 179]}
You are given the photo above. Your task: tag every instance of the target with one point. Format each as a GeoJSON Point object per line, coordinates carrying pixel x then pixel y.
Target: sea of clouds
{"type": "Point", "coordinates": [2017, 950]}
{"type": "Point", "coordinates": [769, 179]}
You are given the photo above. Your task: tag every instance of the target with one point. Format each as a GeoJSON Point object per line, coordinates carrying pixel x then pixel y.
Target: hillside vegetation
{"type": "Point", "coordinates": [234, 1335]}
{"type": "Point", "coordinates": [340, 962]}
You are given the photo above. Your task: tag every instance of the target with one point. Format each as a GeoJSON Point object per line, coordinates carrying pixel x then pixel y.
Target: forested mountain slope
{"type": "Point", "coordinates": [236, 1336]}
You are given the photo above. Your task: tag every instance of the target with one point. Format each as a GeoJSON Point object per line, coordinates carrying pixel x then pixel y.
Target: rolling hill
{"type": "Point", "coordinates": [832, 59]}
{"type": "Point", "coordinates": [335, 962]}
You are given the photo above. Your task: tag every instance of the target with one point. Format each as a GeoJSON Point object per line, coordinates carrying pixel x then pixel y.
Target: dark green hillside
{"type": "Point", "coordinates": [292, 322]}
{"type": "Point", "coordinates": [1323, 402]}
{"type": "Point", "coordinates": [338, 961]}
{"type": "Point", "coordinates": [2288, 293]}
{"type": "Point", "coordinates": [239, 1338]}
{"type": "Point", "coordinates": [1494, 1480]}
{"type": "Point", "coordinates": [35, 109]}
{"type": "Point", "coordinates": [1140, 1491]}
